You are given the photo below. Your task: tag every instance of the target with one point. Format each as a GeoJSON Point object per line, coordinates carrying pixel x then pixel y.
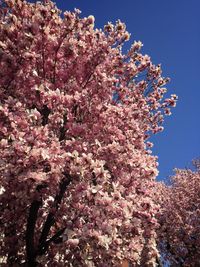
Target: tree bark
{"type": "Point", "coordinates": [43, 244]}
{"type": "Point", "coordinates": [30, 230]}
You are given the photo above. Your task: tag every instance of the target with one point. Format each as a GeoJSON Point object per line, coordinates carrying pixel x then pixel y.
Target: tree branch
{"type": "Point", "coordinates": [45, 114]}
{"type": "Point", "coordinates": [31, 222]}
{"type": "Point", "coordinates": [63, 128]}
{"type": "Point", "coordinates": [50, 217]}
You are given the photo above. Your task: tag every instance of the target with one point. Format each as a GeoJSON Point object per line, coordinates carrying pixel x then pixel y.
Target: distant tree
{"type": "Point", "coordinates": [75, 113]}
{"type": "Point", "coordinates": [180, 220]}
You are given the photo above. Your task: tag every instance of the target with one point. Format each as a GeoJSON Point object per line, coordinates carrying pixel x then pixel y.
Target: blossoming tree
{"type": "Point", "coordinates": [76, 174]}
{"type": "Point", "coordinates": [180, 221]}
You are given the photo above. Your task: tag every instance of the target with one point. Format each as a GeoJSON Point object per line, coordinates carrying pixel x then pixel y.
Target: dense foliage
{"type": "Point", "coordinates": [76, 175]}
{"type": "Point", "coordinates": [180, 220]}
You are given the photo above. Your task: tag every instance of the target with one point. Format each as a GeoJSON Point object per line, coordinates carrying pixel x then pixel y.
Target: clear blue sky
{"type": "Point", "coordinates": [170, 31]}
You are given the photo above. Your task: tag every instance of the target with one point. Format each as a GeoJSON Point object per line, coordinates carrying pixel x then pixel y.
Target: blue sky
{"type": "Point", "coordinates": [170, 31]}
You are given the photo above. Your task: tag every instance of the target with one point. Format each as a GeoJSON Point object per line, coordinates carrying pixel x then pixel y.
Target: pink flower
{"type": "Point", "coordinates": [73, 242]}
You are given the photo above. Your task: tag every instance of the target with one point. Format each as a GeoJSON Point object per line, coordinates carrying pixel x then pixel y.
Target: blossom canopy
{"type": "Point", "coordinates": [75, 170]}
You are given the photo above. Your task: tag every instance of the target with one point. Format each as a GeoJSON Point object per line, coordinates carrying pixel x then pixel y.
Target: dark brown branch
{"type": "Point", "coordinates": [50, 217]}
{"type": "Point", "coordinates": [63, 129]}
{"type": "Point", "coordinates": [45, 114]}
{"type": "Point", "coordinates": [31, 222]}
{"type": "Point", "coordinates": [30, 246]}
{"type": "Point", "coordinates": [94, 179]}
{"type": "Point", "coordinates": [56, 239]}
